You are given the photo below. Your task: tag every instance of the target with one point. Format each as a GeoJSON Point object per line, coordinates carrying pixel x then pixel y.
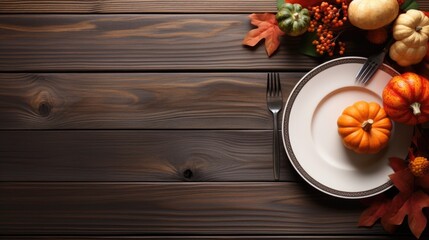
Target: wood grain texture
{"type": "Point", "coordinates": [138, 43]}
{"type": "Point", "coordinates": [137, 101]}
{"type": "Point", "coordinates": [175, 208]}
{"type": "Point", "coordinates": [135, 6]}
{"type": "Point", "coordinates": [139, 156]}
{"type": "Point", "coordinates": [99, 151]}
{"type": "Point", "coordinates": [143, 6]}
{"type": "Point", "coordinates": [247, 237]}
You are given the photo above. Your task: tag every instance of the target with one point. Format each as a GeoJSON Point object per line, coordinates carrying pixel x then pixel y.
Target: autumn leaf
{"type": "Point", "coordinates": [407, 202]}
{"type": "Point", "coordinates": [403, 181]}
{"type": "Point", "coordinates": [413, 207]}
{"type": "Point", "coordinates": [402, 177]}
{"type": "Point", "coordinates": [377, 209]}
{"type": "Point", "coordinates": [380, 204]}
{"type": "Point", "coordinates": [423, 182]}
{"type": "Point", "coordinates": [397, 163]}
{"type": "Point", "coordinates": [268, 29]}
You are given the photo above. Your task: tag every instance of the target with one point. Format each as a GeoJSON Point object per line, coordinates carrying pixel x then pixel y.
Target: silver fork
{"type": "Point", "coordinates": [275, 104]}
{"type": "Point", "coordinates": [371, 65]}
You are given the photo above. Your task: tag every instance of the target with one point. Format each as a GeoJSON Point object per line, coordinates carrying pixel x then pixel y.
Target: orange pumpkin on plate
{"type": "Point", "coordinates": [406, 99]}
{"type": "Point", "coordinates": [364, 127]}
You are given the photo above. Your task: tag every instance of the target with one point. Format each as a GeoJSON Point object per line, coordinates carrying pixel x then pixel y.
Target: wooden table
{"type": "Point", "coordinates": [147, 119]}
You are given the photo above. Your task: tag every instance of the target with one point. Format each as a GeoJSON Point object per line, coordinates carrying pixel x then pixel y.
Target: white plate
{"type": "Point", "coordinates": [310, 134]}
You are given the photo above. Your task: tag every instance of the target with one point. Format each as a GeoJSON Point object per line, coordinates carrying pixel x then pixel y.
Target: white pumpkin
{"type": "Point", "coordinates": [412, 28]}
{"type": "Point", "coordinates": [411, 32]}
{"type": "Point", "coordinates": [405, 55]}
{"type": "Point", "coordinates": [372, 14]}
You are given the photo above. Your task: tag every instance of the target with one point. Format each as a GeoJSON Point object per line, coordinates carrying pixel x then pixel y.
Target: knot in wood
{"type": "Point", "coordinates": [42, 102]}
{"type": "Point", "coordinates": [45, 109]}
{"type": "Point", "coordinates": [187, 174]}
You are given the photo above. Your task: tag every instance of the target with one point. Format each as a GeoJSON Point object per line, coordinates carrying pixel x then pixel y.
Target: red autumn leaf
{"type": "Point", "coordinates": [267, 28]}
{"type": "Point", "coordinates": [413, 207]}
{"type": "Point", "coordinates": [403, 181]}
{"type": "Point", "coordinates": [423, 182]}
{"type": "Point", "coordinates": [397, 164]}
{"type": "Point", "coordinates": [375, 211]}
{"type": "Point", "coordinates": [378, 209]}
{"type": "Point", "coordinates": [402, 178]}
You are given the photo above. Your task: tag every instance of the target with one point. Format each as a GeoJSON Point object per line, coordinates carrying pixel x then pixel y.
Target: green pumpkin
{"type": "Point", "coordinates": [293, 19]}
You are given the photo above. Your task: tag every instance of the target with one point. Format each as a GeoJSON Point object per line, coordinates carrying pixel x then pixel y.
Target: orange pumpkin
{"type": "Point", "coordinates": [406, 99]}
{"type": "Point", "coordinates": [364, 127]}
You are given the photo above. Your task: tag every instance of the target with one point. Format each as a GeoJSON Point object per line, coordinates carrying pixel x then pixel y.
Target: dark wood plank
{"type": "Point", "coordinates": [137, 101]}
{"type": "Point", "coordinates": [134, 6]}
{"type": "Point", "coordinates": [286, 237]}
{"type": "Point", "coordinates": [179, 155]}
{"type": "Point", "coordinates": [138, 42]}
{"type": "Point", "coordinates": [142, 6]}
{"type": "Point", "coordinates": [167, 208]}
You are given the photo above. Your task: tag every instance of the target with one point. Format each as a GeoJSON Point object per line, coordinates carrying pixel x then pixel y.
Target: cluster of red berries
{"type": "Point", "coordinates": [324, 18]}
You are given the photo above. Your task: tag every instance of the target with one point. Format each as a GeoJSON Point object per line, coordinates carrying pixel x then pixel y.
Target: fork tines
{"type": "Point", "coordinates": [365, 74]}
{"type": "Point", "coordinates": [273, 84]}
{"type": "Point", "coordinates": [371, 65]}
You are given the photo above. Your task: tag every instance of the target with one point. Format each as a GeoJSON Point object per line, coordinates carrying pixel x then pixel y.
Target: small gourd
{"type": "Point", "coordinates": [406, 99]}
{"type": "Point", "coordinates": [405, 55]}
{"type": "Point", "coordinates": [364, 127]}
{"type": "Point", "coordinates": [370, 14]}
{"type": "Point", "coordinates": [293, 19]}
{"type": "Point", "coordinates": [411, 32]}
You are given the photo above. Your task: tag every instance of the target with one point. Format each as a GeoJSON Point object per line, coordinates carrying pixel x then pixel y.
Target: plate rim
{"type": "Point", "coordinates": [286, 142]}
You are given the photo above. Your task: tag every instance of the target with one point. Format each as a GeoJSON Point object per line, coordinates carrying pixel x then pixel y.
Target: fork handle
{"type": "Point", "coordinates": [276, 152]}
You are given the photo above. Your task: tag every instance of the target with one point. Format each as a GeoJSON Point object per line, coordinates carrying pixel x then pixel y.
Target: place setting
{"type": "Point", "coordinates": [311, 138]}
{"type": "Point", "coordinates": [352, 126]}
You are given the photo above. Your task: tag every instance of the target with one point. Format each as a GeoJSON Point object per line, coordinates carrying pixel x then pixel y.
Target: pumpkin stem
{"type": "Point", "coordinates": [416, 108]}
{"type": "Point", "coordinates": [296, 16]}
{"type": "Point", "coordinates": [418, 28]}
{"type": "Point", "coordinates": [366, 125]}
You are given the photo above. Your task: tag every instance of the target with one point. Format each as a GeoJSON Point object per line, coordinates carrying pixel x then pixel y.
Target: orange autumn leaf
{"type": "Point", "coordinates": [402, 177]}
{"type": "Point", "coordinates": [408, 202]}
{"type": "Point", "coordinates": [375, 211]}
{"type": "Point", "coordinates": [268, 29]}
{"type": "Point", "coordinates": [413, 207]}
{"type": "Point", "coordinates": [380, 205]}
{"type": "Point", "coordinates": [423, 182]}
{"type": "Point", "coordinates": [378, 209]}
{"type": "Point", "coordinates": [403, 181]}
{"type": "Point", "coordinates": [397, 164]}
